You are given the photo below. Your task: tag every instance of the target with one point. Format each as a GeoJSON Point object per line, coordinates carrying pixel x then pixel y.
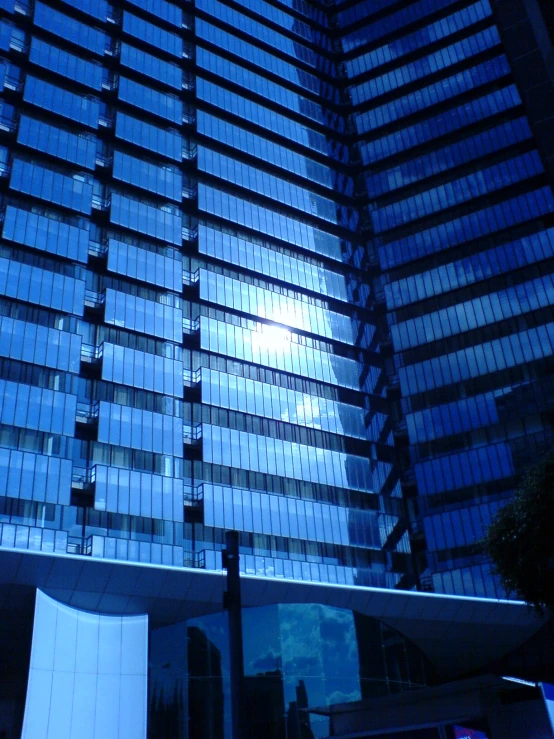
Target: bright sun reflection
{"type": "Point", "coordinates": [271, 336]}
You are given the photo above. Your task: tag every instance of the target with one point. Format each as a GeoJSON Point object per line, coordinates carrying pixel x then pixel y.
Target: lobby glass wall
{"type": "Point", "coordinates": [306, 655]}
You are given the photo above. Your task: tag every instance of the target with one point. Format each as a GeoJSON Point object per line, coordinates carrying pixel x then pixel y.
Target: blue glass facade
{"type": "Point", "coordinates": [279, 267]}
{"type": "Point", "coordinates": [185, 292]}
{"type": "Point", "coordinates": [460, 211]}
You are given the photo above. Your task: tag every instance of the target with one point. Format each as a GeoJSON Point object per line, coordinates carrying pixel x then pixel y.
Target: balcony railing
{"type": "Point", "coordinates": [91, 353]}
{"type": "Point", "coordinates": [100, 203]}
{"type": "Point", "coordinates": [97, 250]}
{"type": "Point", "coordinates": [83, 477]}
{"type": "Point", "coordinates": [94, 299]}
{"type": "Point", "coordinates": [192, 434]}
{"type": "Point", "coordinates": [13, 83]}
{"type": "Point", "coordinates": [191, 325]}
{"type": "Point", "coordinates": [191, 377]}
{"type": "Point", "coordinates": [191, 278]}
{"type": "Point", "coordinates": [87, 412]}
{"type": "Point", "coordinates": [189, 234]}
{"type": "Point", "coordinates": [7, 124]}
{"type": "Point", "coordinates": [194, 559]}
{"type": "Point", "coordinates": [79, 545]}
{"type": "Point", "coordinates": [193, 494]}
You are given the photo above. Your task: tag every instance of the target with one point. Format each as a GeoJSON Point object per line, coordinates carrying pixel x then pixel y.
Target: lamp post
{"type": "Point", "coordinates": [232, 604]}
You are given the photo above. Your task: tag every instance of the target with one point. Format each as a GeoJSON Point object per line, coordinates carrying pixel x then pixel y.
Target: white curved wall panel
{"type": "Point", "coordinates": [88, 674]}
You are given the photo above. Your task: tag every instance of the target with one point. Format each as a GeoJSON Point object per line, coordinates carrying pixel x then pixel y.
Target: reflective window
{"type": "Point", "coordinates": [161, 9]}
{"type": "Point", "coordinates": [46, 347]}
{"type": "Point", "coordinates": [163, 223]}
{"type": "Point", "coordinates": [146, 266]}
{"type": "Point", "coordinates": [457, 191]}
{"type": "Point", "coordinates": [480, 223]}
{"type": "Point", "coordinates": [71, 147]}
{"type": "Point", "coordinates": [81, 34]}
{"type": "Point", "coordinates": [144, 316]}
{"type": "Point", "coordinates": [466, 468]}
{"type": "Point", "coordinates": [276, 307]}
{"type": "Point", "coordinates": [469, 79]}
{"type": "Point", "coordinates": [66, 64]}
{"type": "Point", "coordinates": [268, 261]}
{"type": "Point", "coordinates": [157, 140]}
{"type": "Point", "coordinates": [159, 103]}
{"type": "Point", "coordinates": [84, 110]}
{"type": "Point", "coordinates": [440, 160]}
{"type": "Point", "coordinates": [45, 233]}
{"type": "Point", "coordinates": [428, 65]}
{"type": "Point", "coordinates": [287, 459]}
{"type": "Point", "coordinates": [35, 477]}
{"type": "Point", "coordinates": [450, 120]}
{"type": "Point", "coordinates": [96, 8]}
{"type": "Point", "coordinates": [138, 494]}
{"type": "Point", "coordinates": [151, 66]}
{"type": "Point", "coordinates": [390, 23]}
{"type": "Point", "coordinates": [126, 366]}
{"type": "Point", "coordinates": [152, 34]}
{"type": "Point", "coordinates": [478, 267]}
{"type": "Point", "coordinates": [273, 346]}
{"type": "Point", "coordinates": [270, 90]}
{"type": "Point", "coordinates": [269, 119]}
{"type": "Point", "coordinates": [419, 39]}
{"type": "Point", "coordinates": [246, 51]}
{"type": "Point", "coordinates": [266, 150]}
{"type": "Point", "coordinates": [138, 429]}
{"type": "Point", "coordinates": [37, 408]}
{"type": "Point", "coordinates": [267, 221]}
{"type": "Point", "coordinates": [71, 192]}
{"type": "Point", "coordinates": [276, 188]}
{"type": "Point", "coordinates": [286, 20]}
{"type": "Point", "coordinates": [262, 32]}
{"type": "Point", "coordinates": [35, 285]}
{"type": "Point", "coordinates": [164, 180]}
{"type": "Point", "coordinates": [471, 314]}
{"type": "Point", "coordinates": [270, 401]}
{"type": "Point", "coordinates": [246, 510]}
{"type": "Point", "coordinates": [476, 361]}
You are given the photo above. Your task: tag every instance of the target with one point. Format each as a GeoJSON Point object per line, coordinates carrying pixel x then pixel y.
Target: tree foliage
{"type": "Point", "coordinates": [520, 540]}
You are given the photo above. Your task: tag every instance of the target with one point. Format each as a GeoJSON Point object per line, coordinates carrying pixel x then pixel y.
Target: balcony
{"type": "Point", "coordinates": [87, 413]}
{"type": "Point", "coordinates": [79, 545]}
{"type": "Point", "coordinates": [13, 83]}
{"type": "Point", "coordinates": [23, 7]}
{"type": "Point", "coordinates": [94, 300]}
{"type": "Point", "coordinates": [106, 121]}
{"type": "Point", "coordinates": [91, 354]}
{"type": "Point", "coordinates": [193, 495]}
{"type": "Point", "coordinates": [101, 204]}
{"type": "Point", "coordinates": [192, 434]}
{"type": "Point", "coordinates": [191, 326]}
{"type": "Point", "coordinates": [189, 234]}
{"type": "Point", "coordinates": [191, 378]}
{"type": "Point", "coordinates": [83, 479]}
{"type": "Point", "coordinates": [190, 278]}
{"type": "Point", "coordinates": [190, 192]}
{"type": "Point", "coordinates": [96, 250]}
{"type": "Point", "coordinates": [104, 161]}
{"type": "Point", "coordinates": [196, 560]}
{"type": "Point", "coordinates": [9, 125]}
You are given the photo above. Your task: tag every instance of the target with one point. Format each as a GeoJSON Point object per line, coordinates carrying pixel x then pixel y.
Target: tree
{"type": "Point", "coordinates": [520, 540]}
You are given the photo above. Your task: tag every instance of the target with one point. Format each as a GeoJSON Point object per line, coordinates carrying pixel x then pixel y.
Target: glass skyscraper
{"type": "Point", "coordinates": [278, 267]}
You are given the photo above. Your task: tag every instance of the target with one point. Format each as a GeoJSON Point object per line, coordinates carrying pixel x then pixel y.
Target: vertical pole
{"type": "Point", "coordinates": [232, 604]}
